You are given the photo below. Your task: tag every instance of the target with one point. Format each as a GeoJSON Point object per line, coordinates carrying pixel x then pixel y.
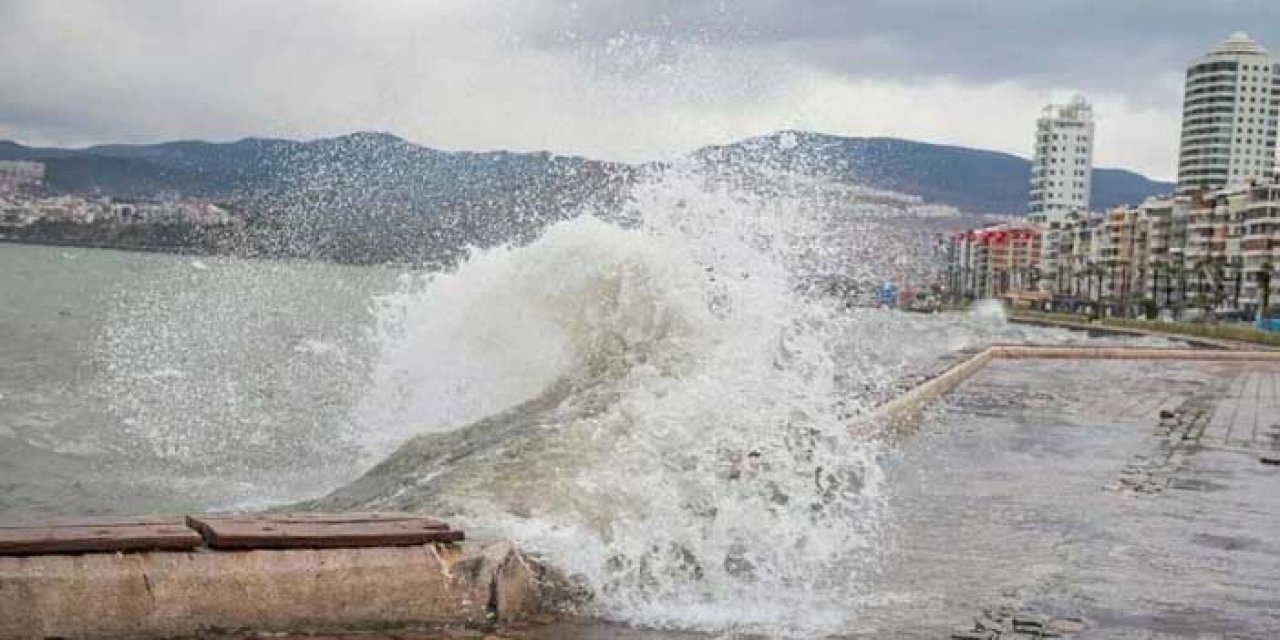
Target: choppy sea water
{"type": "Point", "coordinates": [662, 407]}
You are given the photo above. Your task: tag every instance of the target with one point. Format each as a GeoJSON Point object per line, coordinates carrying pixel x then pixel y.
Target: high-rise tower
{"type": "Point", "coordinates": [1229, 113]}
{"type": "Point", "coordinates": [1061, 174]}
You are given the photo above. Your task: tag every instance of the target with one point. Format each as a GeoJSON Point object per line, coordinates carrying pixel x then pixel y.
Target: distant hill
{"type": "Point", "coordinates": [363, 197]}
{"type": "Point", "coordinates": [972, 180]}
{"type": "Point", "coordinates": [370, 197]}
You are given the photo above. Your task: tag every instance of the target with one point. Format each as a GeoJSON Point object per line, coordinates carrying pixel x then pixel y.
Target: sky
{"type": "Point", "coordinates": [611, 79]}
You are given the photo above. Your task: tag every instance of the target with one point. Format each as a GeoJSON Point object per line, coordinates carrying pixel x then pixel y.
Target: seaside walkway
{"type": "Point", "coordinates": [1105, 488]}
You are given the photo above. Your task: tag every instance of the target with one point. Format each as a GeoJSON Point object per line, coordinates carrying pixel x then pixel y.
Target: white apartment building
{"type": "Point", "coordinates": [1229, 115]}
{"type": "Point", "coordinates": [1061, 174]}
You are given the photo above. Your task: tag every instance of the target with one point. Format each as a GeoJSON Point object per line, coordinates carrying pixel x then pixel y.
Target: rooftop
{"type": "Point", "coordinates": [1239, 43]}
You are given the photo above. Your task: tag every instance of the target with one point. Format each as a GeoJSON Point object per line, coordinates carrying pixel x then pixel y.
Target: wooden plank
{"type": "Point", "coordinates": [95, 521]}
{"type": "Point", "coordinates": [331, 518]}
{"type": "Point", "coordinates": [99, 536]}
{"type": "Point", "coordinates": [316, 531]}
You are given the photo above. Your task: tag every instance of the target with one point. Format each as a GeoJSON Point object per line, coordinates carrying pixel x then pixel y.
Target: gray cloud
{"type": "Point", "coordinates": [609, 78]}
{"type": "Point", "coordinates": [1093, 43]}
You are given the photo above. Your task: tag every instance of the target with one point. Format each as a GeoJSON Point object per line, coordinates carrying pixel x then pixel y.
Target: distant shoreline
{"type": "Point", "coordinates": [72, 244]}
{"type": "Point", "coordinates": [200, 252]}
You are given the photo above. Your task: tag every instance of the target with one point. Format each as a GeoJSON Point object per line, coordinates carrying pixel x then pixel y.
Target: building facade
{"type": "Point", "coordinates": [1062, 169]}
{"type": "Point", "coordinates": [19, 173]}
{"type": "Point", "coordinates": [1229, 113]}
{"type": "Point", "coordinates": [1213, 248]}
{"type": "Point", "coordinates": [1209, 252]}
{"type": "Point", "coordinates": [994, 261]}
{"type": "Point", "coordinates": [1259, 245]}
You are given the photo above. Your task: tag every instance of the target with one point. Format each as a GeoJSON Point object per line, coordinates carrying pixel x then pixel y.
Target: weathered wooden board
{"type": "Point", "coordinates": [99, 535]}
{"type": "Point", "coordinates": [332, 518]}
{"type": "Point", "coordinates": [93, 521]}
{"type": "Point", "coordinates": [320, 531]}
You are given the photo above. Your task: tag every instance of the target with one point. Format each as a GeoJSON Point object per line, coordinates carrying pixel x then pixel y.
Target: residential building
{"type": "Point", "coordinates": [1209, 252]}
{"type": "Point", "coordinates": [1164, 226]}
{"type": "Point", "coordinates": [1061, 172]}
{"type": "Point", "coordinates": [995, 261]}
{"type": "Point", "coordinates": [1229, 114]}
{"type": "Point", "coordinates": [1213, 247]}
{"type": "Point", "coordinates": [1260, 243]}
{"type": "Point", "coordinates": [19, 173]}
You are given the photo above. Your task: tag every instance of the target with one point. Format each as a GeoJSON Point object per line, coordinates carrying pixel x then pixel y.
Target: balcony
{"type": "Point", "coordinates": [1254, 246]}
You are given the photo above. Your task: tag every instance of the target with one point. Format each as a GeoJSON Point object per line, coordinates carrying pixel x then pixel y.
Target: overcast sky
{"type": "Point", "coordinates": [614, 79]}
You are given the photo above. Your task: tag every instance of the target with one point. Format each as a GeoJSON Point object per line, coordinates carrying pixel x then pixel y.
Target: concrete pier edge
{"type": "Point", "coordinates": [185, 594]}
{"type": "Point", "coordinates": [901, 410]}
{"type": "Point", "coordinates": [1104, 329]}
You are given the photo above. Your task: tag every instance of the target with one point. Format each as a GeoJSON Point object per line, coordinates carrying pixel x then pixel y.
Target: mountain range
{"type": "Point", "coordinates": [374, 196]}
{"type": "Point", "coordinates": [972, 180]}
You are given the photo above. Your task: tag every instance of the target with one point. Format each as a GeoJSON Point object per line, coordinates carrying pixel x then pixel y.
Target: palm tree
{"type": "Point", "coordinates": [1140, 281]}
{"type": "Point", "coordinates": [1111, 284]}
{"type": "Point", "coordinates": [1238, 266]}
{"type": "Point", "coordinates": [1220, 274]}
{"type": "Point", "coordinates": [1155, 285]}
{"type": "Point", "coordinates": [1264, 288]}
{"type": "Point", "coordinates": [1179, 270]}
{"type": "Point", "coordinates": [1201, 270]}
{"type": "Point", "coordinates": [1093, 277]}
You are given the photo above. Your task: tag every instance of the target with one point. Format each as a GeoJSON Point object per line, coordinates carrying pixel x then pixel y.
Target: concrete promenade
{"type": "Point", "coordinates": [1133, 496]}
{"type": "Point", "coordinates": [1087, 497]}
{"type": "Point", "coordinates": [1103, 329]}
{"type": "Point", "coordinates": [911, 404]}
{"type": "Point", "coordinates": [1095, 492]}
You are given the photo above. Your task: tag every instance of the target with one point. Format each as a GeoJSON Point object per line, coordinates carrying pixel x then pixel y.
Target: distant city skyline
{"type": "Point", "coordinates": [608, 79]}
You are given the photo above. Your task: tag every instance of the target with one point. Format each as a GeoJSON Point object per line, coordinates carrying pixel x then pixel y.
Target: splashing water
{"type": "Point", "coordinates": [661, 400]}
{"type": "Point", "coordinates": [658, 407]}
{"type": "Point", "coordinates": [990, 309]}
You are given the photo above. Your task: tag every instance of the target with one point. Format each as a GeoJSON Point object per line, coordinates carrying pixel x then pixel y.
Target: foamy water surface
{"type": "Point", "coordinates": [658, 401]}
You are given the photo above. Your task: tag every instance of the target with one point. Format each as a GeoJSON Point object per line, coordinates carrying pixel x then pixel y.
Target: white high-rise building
{"type": "Point", "coordinates": [1062, 172]}
{"type": "Point", "coordinates": [1229, 115]}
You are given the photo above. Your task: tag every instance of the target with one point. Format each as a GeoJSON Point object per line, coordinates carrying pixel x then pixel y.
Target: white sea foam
{"type": "Point", "coordinates": [690, 457]}
{"type": "Point", "coordinates": [990, 309]}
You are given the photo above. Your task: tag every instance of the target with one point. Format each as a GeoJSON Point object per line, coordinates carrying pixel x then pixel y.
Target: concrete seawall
{"type": "Point", "coordinates": [180, 594]}
{"type": "Point", "coordinates": [909, 405]}
{"type": "Point", "coordinates": [1106, 329]}
{"type": "Point", "coordinates": [903, 409]}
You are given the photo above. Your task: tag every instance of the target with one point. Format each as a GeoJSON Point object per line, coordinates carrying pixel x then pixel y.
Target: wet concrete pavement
{"type": "Point", "coordinates": [1093, 499]}
{"type": "Point", "coordinates": [1055, 488]}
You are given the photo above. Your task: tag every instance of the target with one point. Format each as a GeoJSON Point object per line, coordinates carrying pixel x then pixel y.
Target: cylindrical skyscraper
{"type": "Point", "coordinates": [1229, 116]}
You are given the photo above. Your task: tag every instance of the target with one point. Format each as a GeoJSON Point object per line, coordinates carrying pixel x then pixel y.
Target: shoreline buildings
{"type": "Point", "coordinates": [15, 175]}
{"type": "Point", "coordinates": [1062, 170]}
{"type": "Point", "coordinates": [1229, 117]}
{"type": "Point", "coordinates": [1213, 246]}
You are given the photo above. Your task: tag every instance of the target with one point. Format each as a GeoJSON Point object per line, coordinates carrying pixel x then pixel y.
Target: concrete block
{"type": "Point", "coordinates": [166, 594]}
